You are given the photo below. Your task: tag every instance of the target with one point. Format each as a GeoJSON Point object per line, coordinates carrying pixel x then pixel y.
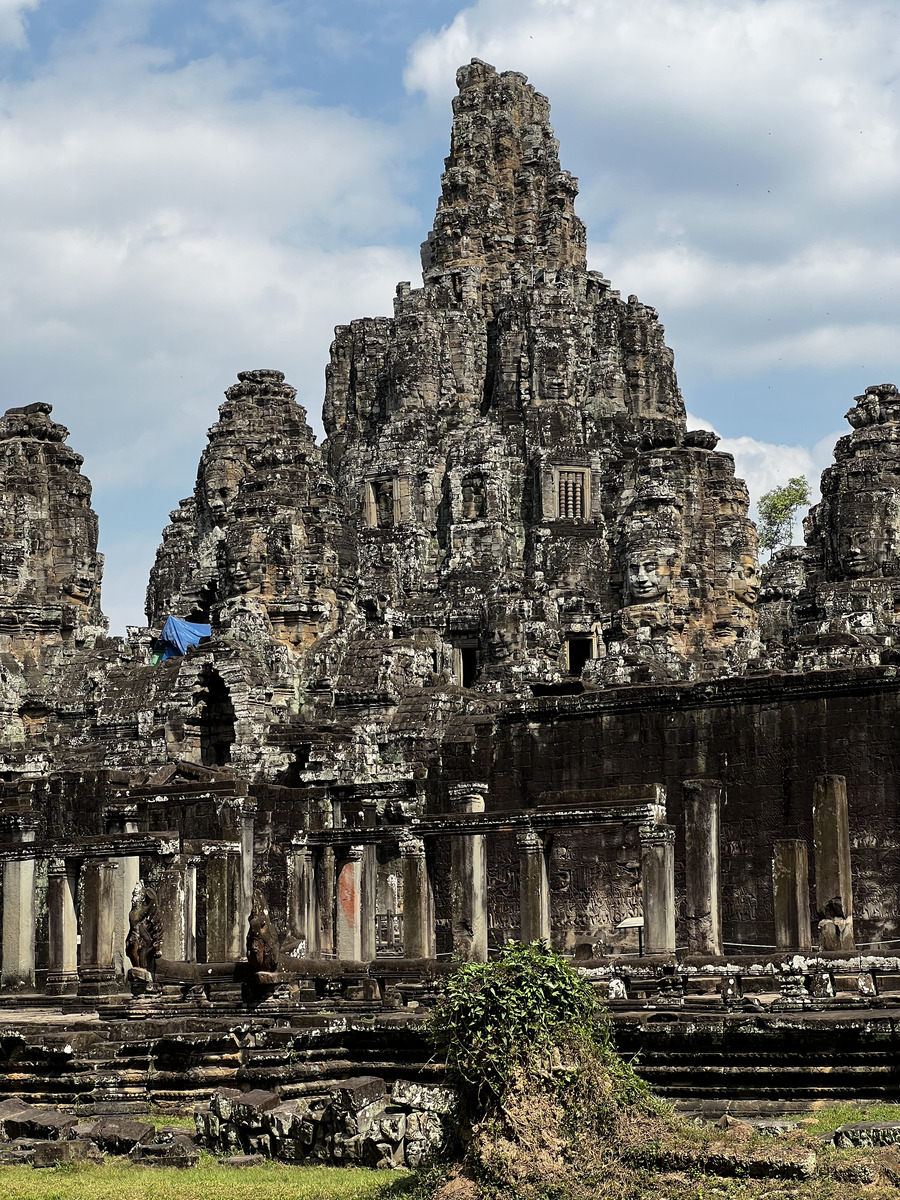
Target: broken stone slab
{"type": "Point", "coordinates": [120, 1136]}
{"type": "Point", "coordinates": [865, 1133]}
{"type": "Point", "coordinates": [251, 1105]}
{"type": "Point", "coordinates": [18, 1151]}
{"type": "Point", "coordinates": [51, 1154]}
{"type": "Point", "coordinates": [243, 1160]}
{"type": "Point", "coordinates": [355, 1094]}
{"type": "Point", "coordinates": [221, 1101]}
{"type": "Point", "coordinates": [44, 1124]}
{"type": "Point", "coordinates": [285, 1121]}
{"type": "Point", "coordinates": [12, 1109]}
{"type": "Point", "coordinates": [424, 1097]}
{"type": "Point", "coordinates": [169, 1152]}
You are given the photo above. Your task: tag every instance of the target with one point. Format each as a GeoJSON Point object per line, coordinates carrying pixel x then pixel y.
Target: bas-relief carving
{"type": "Point", "coordinates": [648, 573]}
{"type": "Point", "coordinates": [744, 580]}
{"type": "Point", "coordinates": [594, 881]}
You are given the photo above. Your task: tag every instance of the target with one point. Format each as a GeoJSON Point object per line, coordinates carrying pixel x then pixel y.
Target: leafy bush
{"type": "Point", "coordinates": [497, 1016]}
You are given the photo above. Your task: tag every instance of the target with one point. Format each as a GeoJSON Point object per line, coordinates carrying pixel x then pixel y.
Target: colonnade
{"type": "Point", "coordinates": [332, 878]}
{"type": "Point", "coordinates": [326, 865]}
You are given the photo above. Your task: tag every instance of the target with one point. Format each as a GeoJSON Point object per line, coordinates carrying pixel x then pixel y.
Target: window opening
{"type": "Point", "coordinates": [383, 495]}
{"type": "Point", "coordinates": [465, 661]}
{"type": "Point", "coordinates": [570, 501]}
{"type": "Point", "coordinates": [580, 651]}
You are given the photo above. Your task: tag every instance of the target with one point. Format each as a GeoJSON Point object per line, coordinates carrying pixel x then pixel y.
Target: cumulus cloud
{"type": "Point", "coordinates": [12, 20]}
{"type": "Point", "coordinates": [740, 170]}
{"type": "Point", "coordinates": [161, 227]}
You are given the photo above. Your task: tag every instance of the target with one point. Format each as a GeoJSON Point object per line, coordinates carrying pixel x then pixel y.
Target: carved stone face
{"type": "Point", "coordinates": [647, 575]}
{"type": "Point", "coordinates": [745, 580]}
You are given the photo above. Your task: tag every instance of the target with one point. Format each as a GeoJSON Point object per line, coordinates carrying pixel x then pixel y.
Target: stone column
{"type": "Point", "coordinates": [220, 914]}
{"type": "Point", "coordinates": [834, 887]}
{"type": "Point", "coordinates": [303, 899]}
{"type": "Point", "coordinates": [325, 889]}
{"type": "Point", "coordinates": [658, 888]}
{"type": "Point", "coordinates": [703, 907]}
{"type": "Point", "coordinates": [126, 877]}
{"type": "Point", "coordinates": [176, 893]}
{"type": "Point", "coordinates": [418, 900]}
{"type": "Point", "coordinates": [17, 972]}
{"type": "Point", "coordinates": [96, 974]}
{"type": "Point", "coordinates": [534, 893]}
{"type": "Point", "coordinates": [790, 887]}
{"type": "Point", "coordinates": [62, 920]}
{"type": "Point", "coordinates": [236, 940]}
{"type": "Point", "coordinates": [348, 906]}
{"type": "Point", "coordinates": [468, 878]}
{"type": "Point", "coordinates": [246, 826]}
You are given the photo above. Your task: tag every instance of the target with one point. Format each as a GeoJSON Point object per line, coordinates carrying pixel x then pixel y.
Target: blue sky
{"type": "Point", "coordinates": [192, 189]}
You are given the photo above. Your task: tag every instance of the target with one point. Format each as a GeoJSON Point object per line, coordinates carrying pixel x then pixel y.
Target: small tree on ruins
{"type": "Point", "coordinates": [777, 510]}
{"type": "Point", "coordinates": [546, 1098]}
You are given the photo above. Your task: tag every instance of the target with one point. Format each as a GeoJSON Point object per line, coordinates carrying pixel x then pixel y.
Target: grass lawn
{"type": "Point", "coordinates": [114, 1180]}
{"type": "Point", "coordinates": [830, 1116]}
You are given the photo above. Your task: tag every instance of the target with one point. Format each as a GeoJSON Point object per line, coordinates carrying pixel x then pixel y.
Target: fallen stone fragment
{"type": "Point", "coordinates": [50, 1154]}
{"type": "Point", "coordinates": [120, 1136]}
{"type": "Point", "coordinates": [243, 1160]}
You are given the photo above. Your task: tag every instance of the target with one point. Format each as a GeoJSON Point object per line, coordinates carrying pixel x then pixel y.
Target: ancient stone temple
{"type": "Point", "coordinates": [493, 661]}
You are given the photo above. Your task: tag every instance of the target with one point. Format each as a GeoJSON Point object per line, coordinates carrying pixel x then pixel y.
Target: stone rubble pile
{"type": "Point", "coordinates": [358, 1121]}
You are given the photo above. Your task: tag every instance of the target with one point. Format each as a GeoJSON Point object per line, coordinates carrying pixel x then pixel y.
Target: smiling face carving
{"type": "Point", "coordinates": [745, 580]}
{"type": "Point", "coordinates": [648, 574]}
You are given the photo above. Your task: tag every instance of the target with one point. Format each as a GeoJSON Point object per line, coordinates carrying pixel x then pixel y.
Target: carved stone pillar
{"type": "Point", "coordinates": [96, 973]}
{"type": "Point", "coordinates": [468, 879]}
{"type": "Point", "coordinates": [418, 900]}
{"type": "Point", "coordinates": [326, 868]}
{"type": "Point", "coordinates": [348, 906]}
{"type": "Point", "coordinates": [62, 921]}
{"type": "Point", "coordinates": [303, 899]}
{"type": "Point", "coordinates": [176, 892]}
{"type": "Point", "coordinates": [18, 910]}
{"type": "Point", "coordinates": [790, 887]}
{"type": "Point", "coordinates": [126, 877]}
{"type": "Point", "coordinates": [658, 888]}
{"type": "Point", "coordinates": [221, 914]}
{"type": "Point", "coordinates": [534, 893]}
{"type": "Point", "coordinates": [703, 907]}
{"type": "Point", "coordinates": [246, 827]}
{"type": "Point", "coordinates": [834, 886]}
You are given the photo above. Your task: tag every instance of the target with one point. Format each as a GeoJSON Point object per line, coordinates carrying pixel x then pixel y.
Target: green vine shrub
{"type": "Point", "coordinates": [547, 1100]}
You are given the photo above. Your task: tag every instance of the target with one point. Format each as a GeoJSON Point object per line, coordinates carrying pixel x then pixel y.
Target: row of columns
{"type": "Point", "coordinates": [833, 880]}
{"type": "Point", "coordinates": [106, 889]}
{"type": "Point", "coordinates": [343, 874]}
{"type": "Point", "coordinates": [350, 876]}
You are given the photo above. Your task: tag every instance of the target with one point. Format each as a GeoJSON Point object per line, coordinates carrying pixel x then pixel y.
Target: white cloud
{"type": "Point", "coordinates": [161, 228]}
{"type": "Point", "coordinates": [12, 20]}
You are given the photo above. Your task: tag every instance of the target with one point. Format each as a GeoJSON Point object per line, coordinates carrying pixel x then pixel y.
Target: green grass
{"type": "Point", "coordinates": [832, 1115]}
{"type": "Point", "coordinates": [273, 1181]}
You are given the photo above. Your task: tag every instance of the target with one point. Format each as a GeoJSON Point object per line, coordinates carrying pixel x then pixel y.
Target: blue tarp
{"type": "Point", "coordinates": [176, 636]}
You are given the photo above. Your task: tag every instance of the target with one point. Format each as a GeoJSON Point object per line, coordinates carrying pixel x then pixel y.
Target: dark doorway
{"type": "Point", "coordinates": [215, 720]}
{"type": "Point", "coordinates": [580, 651]}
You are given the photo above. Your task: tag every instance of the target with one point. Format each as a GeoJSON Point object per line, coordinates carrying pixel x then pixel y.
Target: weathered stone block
{"type": "Point", "coordinates": [120, 1136]}
{"type": "Point", "coordinates": [424, 1096]}
{"type": "Point", "coordinates": [358, 1093]}
{"type": "Point", "coordinates": [50, 1154]}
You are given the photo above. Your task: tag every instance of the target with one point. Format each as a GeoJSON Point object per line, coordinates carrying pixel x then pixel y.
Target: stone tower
{"type": "Point", "coordinates": [261, 548]}
{"type": "Point", "coordinates": [50, 571]}
{"type": "Point", "coordinates": [515, 432]}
